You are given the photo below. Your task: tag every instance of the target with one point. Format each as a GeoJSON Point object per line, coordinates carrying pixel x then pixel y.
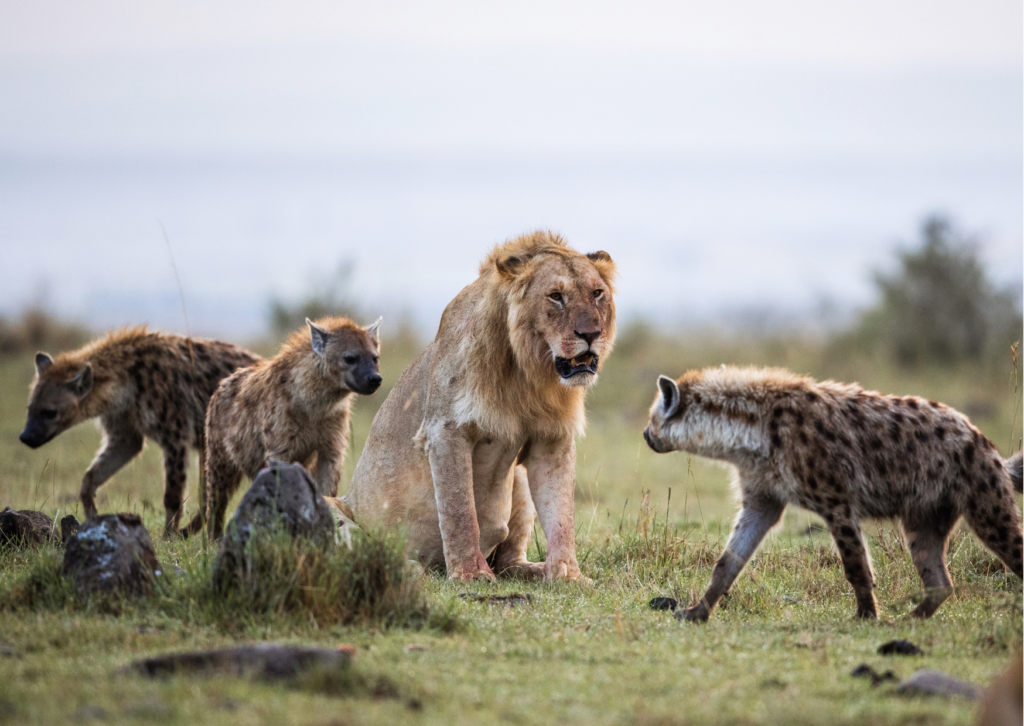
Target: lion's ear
{"type": "Point", "coordinates": [599, 256]}
{"type": "Point", "coordinates": [510, 266]}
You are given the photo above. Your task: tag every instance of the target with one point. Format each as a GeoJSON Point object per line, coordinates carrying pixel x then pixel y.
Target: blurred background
{"type": "Point", "coordinates": [834, 187]}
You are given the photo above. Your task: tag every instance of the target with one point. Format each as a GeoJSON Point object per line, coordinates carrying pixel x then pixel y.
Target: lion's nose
{"type": "Point", "coordinates": [588, 335]}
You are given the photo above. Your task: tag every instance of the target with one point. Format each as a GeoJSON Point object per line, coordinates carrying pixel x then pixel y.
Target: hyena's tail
{"type": "Point", "coordinates": [1015, 464]}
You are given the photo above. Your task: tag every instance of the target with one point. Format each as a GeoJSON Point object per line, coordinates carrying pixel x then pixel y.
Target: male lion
{"type": "Point", "coordinates": [485, 420]}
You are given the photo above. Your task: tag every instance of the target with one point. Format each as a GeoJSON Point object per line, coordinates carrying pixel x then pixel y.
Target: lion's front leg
{"type": "Point", "coordinates": [451, 468]}
{"type": "Point", "coordinates": [510, 557]}
{"type": "Point", "coordinates": [551, 467]}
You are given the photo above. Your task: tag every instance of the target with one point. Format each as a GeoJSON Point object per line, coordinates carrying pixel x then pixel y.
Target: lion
{"type": "Point", "coordinates": [477, 438]}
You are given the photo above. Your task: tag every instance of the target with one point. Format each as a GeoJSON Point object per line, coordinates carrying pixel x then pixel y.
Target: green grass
{"type": "Point", "coordinates": [779, 650]}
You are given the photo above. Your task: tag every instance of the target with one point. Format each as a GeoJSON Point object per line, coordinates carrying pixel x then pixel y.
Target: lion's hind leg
{"type": "Point", "coordinates": [509, 557]}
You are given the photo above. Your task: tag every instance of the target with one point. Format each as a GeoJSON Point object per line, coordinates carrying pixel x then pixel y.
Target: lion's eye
{"type": "Point", "coordinates": [598, 294]}
{"type": "Point", "coordinates": [556, 296]}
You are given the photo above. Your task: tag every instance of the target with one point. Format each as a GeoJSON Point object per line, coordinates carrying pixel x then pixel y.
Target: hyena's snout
{"type": "Point", "coordinates": [367, 379]}
{"type": "Point", "coordinates": [654, 442]}
{"type": "Point", "coordinates": [35, 434]}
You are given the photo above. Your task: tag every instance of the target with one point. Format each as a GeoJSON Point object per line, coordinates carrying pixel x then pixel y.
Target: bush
{"type": "Point", "coordinates": [370, 583]}
{"type": "Point", "coordinates": [940, 307]}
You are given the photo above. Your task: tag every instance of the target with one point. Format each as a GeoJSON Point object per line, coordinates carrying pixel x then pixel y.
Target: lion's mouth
{"type": "Point", "coordinates": [569, 367]}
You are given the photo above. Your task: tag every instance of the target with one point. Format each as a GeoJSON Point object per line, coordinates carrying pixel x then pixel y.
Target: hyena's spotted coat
{"type": "Point", "coordinates": [137, 384]}
{"type": "Point", "coordinates": [846, 454]}
{"type": "Point", "coordinates": [293, 407]}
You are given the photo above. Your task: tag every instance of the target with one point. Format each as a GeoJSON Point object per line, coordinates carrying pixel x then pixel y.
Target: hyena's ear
{"type": "Point", "coordinates": [669, 396]}
{"type": "Point", "coordinates": [81, 384]}
{"type": "Point", "coordinates": [318, 336]}
{"type": "Point", "coordinates": [43, 361]}
{"type": "Point", "coordinates": [374, 329]}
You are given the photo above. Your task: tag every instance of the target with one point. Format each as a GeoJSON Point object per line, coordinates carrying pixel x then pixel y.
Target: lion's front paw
{"type": "Point", "coordinates": [525, 570]}
{"type": "Point", "coordinates": [473, 568]}
{"type": "Point", "coordinates": [696, 614]}
{"type": "Point", "coordinates": [563, 570]}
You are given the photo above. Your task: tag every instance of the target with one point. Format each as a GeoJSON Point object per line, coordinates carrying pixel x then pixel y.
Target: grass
{"type": "Point", "coordinates": [779, 650]}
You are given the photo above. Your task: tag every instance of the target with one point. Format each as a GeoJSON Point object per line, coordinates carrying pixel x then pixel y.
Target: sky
{"type": "Point", "coordinates": [733, 157]}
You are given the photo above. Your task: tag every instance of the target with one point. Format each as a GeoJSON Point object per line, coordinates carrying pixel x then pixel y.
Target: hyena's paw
{"type": "Point", "coordinates": [696, 614]}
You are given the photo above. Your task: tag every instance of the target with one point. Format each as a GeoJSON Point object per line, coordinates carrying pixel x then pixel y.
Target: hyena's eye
{"type": "Point", "coordinates": [376, 359]}
{"type": "Point", "coordinates": [351, 359]}
{"type": "Point", "coordinates": [556, 296]}
{"type": "Point", "coordinates": [48, 413]}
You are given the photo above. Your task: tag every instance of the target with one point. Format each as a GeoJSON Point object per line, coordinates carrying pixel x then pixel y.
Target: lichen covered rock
{"type": "Point", "coordinates": [112, 553]}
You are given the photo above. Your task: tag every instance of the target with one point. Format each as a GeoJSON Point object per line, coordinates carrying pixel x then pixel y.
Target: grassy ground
{"type": "Point", "coordinates": [779, 651]}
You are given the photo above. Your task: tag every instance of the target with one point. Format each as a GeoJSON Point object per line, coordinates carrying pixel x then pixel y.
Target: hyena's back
{"type": "Point", "coordinates": [889, 456]}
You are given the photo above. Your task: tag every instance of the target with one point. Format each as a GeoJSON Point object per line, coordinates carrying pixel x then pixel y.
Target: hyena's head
{"type": "Point", "coordinates": [349, 353]}
{"type": "Point", "coordinates": [666, 431]}
{"type": "Point", "coordinates": [55, 401]}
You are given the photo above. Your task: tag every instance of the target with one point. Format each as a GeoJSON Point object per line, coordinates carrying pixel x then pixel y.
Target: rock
{"type": "Point", "coordinates": [68, 528]}
{"type": "Point", "coordinates": [933, 683]}
{"type": "Point", "coordinates": [266, 660]}
{"type": "Point", "coordinates": [866, 671]}
{"type": "Point", "coordinates": [112, 553]}
{"type": "Point", "coordinates": [511, 599]}
{"type": "Point", "coordinates": [282, 495]}
{"type": "Point", "coordinates": [899, 647]}
{"type": "Point", "coordinates": [24, 528]}
{"type": "Point", "coordinates": [663, 603]}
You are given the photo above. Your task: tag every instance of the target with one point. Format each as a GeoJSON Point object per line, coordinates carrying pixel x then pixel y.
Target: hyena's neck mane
{"type": "Point", "coordinates": [729, 410]}
{"type": "Point", "coordinates": [307, 380]}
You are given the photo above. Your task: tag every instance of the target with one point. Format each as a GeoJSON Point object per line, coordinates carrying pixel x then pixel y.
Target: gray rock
{"type": "Point", "coordinates": [265, 660]}
{"type": "Point", "coordinates": [934, 683]}
{"type": "Point", "coordinates": [24, 528]}
{"type": "Point", "coordinates": [282, 496]}
{"type": "Point", "coordinates": [112, 553]}
{"type": "Point", "coordinates": [68, 528]}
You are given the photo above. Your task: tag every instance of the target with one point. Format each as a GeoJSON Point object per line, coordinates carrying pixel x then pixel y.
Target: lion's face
{"type": "Point", "coordinates": [570, 313]}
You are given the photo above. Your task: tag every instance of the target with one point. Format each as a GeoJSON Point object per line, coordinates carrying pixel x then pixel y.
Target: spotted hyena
{"type": "Point", "coordinates": [293, 407]}
{"type": "Point", "coordinates": [846, 454]}
{"type": "Point", "coordinates": [137, 384]}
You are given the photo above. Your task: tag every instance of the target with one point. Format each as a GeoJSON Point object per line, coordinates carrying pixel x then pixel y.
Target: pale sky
{"type": "Point", "coordinates": [804, 139]}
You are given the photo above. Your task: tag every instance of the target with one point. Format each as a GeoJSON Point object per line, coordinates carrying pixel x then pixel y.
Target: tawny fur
{"type": "Point", "coordinates": [294, 407]}
{"type": "Point", "coordinates": [138, 384]}
{"type": "Point", "coordinates": [440, 459]}
{"type": "Point", "coordinates": [846, 454]}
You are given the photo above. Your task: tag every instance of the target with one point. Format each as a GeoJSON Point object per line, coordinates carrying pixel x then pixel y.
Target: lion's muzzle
{"type": "Point", "coordinates": [580, 364]}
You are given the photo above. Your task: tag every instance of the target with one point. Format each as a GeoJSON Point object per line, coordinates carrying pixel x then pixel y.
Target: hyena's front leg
{"type": "Point", "coordinates": [175, 473]}
{"type": "Point", "coordinates": [328, 472]}
{"type": "Point", "coordinates": [856, 563]}
{"type": "Point", "coordinates": [120, 445]}
{"type": "Point", "coordinates": [755, 520]}
{"type": "Point", "coordinates": [509, 558]}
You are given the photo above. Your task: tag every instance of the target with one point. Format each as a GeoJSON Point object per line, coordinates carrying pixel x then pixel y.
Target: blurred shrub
{"type": "Point", "coordinates": [939, 306]}
{"type": "Point", "coordinates": [329, 295]}
{"type": "Point", "coordinates": [37, 330]}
